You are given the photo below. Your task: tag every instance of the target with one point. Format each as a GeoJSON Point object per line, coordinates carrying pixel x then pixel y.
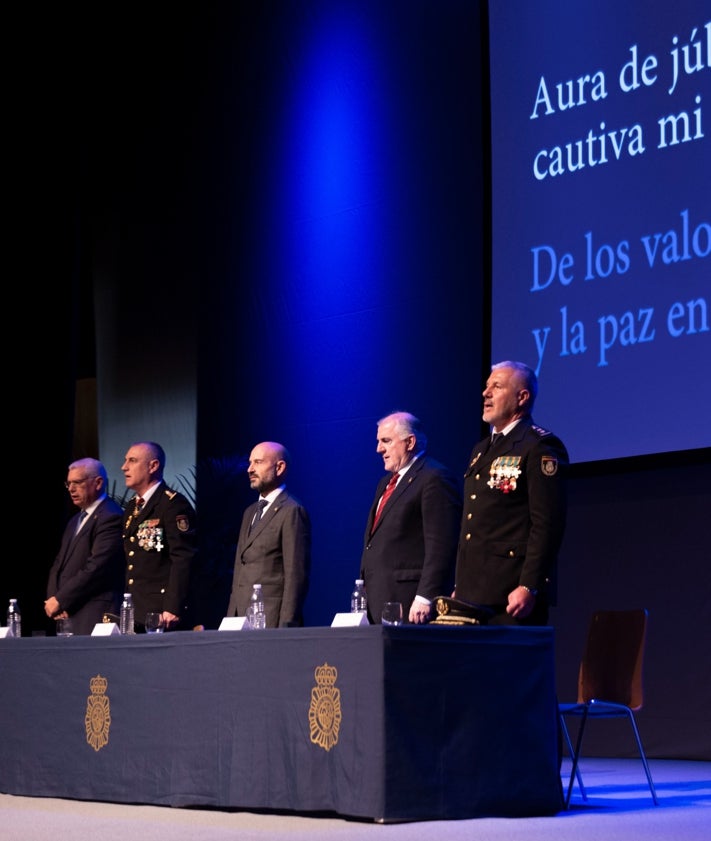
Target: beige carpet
{"type": "Point", "coordinates": [619, 806]}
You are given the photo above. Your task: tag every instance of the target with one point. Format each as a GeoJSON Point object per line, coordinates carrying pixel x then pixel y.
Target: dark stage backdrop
{"type": "Point", "coordinates": [288, 244]}
{"type": "Point", "coordinates": [350, 215]}
{"type": "Point", "coordinates": [284, 211]}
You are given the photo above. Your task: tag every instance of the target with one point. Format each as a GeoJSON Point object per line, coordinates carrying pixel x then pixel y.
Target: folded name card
{"type": "Point", "coordinates": [349, 620]}
{"type": "Point", "coordinates": [233, 623]}
{"type": "Point", "coordinates": [5, 633]}
{"type": "Point", "coordinates": [105, 629]}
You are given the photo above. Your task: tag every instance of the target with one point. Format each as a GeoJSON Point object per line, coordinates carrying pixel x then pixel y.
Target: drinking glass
{"type": "Point", "coordinates": [392, 613]}
{"type": "Point", "coordinates": [154, 623]}
{"type": "Point", "coordinates": [64, 628]}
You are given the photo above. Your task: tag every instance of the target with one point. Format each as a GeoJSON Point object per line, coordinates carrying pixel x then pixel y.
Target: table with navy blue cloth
{"type": "Point", "coordinates": [384, 723]}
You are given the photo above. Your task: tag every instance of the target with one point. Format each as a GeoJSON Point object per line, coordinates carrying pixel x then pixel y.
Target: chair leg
{"type": "Point", "coordinates": [576, 756]}
{"type": "Point", "coordinates": [569, 744]}
{"type": "Point", "coordinates": [644, 758]}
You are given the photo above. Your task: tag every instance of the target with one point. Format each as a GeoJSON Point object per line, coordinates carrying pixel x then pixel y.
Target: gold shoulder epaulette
{"type": "Point", "coordinates": [170, 494]}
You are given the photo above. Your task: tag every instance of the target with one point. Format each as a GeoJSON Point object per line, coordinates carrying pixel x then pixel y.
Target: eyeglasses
{"type": "Point", "coordinates": [75, 482]}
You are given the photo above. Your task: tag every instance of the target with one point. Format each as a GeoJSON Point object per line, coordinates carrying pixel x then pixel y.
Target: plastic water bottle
{"type": "Point", "coordinates": [256, 615]}
{"type": "Point", "coordinates": [126, 621]}
{"type": "Point", "coordinates": [14, 619]}
{"type": "Point", "coordinates": [359, 601]}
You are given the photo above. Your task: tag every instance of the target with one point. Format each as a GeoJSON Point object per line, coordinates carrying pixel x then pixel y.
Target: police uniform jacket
{"type": "Point", "coordinates": [514, 515]}
{"type": "Point", "coordinates": [413, 548]}
{"type": "Point", "coordinates": [160, 543]}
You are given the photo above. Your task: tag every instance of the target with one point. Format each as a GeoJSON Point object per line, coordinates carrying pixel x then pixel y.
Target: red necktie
{"type": "Point", "coordinates": [390, 487]}
{"type": "Point", "coordinates": [139, 504]}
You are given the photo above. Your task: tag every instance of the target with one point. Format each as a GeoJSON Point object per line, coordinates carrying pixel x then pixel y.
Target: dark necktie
{"type": "Point", "coordinates": [82, 517]}
{"type": "Point", "coordinates": [496, 437]}
{"type": "Point", "coordinates": [389, 488]}
{"type": "Point", "coordinates": [258, 516]}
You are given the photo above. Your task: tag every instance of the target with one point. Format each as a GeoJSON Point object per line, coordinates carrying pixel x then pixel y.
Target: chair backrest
{"type": "Point", "coordinates": [611, 668]}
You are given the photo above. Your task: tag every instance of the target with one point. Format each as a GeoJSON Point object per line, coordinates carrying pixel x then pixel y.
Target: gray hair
{"type": "Point", "coordinates": [155, 451]}
{"type": "Point", "coordinates": [526, 377]}
{"type": "Point", "coordinates": [406, 424]}
{"type": "Point", "coordinates": [91, 467]}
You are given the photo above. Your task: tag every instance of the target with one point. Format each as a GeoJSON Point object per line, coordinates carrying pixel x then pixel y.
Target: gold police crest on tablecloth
{"type": "Point", "coordinates": [98, 714]}
{"type": "Point", "coordinates": [325, 708]}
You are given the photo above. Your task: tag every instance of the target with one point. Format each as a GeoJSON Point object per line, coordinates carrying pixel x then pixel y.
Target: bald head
{"type": "Point", "coordinates": [268, 466]}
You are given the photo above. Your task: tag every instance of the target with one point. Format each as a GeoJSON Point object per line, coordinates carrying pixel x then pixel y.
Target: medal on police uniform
{"type": "Point", "coordinates": [150, 535]}
{"type": "Point", "coordinates": [503, 473]}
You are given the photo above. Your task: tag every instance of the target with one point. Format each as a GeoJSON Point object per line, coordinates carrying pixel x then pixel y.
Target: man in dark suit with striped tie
{"type": "Point", "coordinates": [411, 534]}
{"type": "Point", "coordinates": [86, 578]}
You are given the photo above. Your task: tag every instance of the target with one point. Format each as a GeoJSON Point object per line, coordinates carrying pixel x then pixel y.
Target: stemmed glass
{"type": "Point", "coordinates": [392, 613]}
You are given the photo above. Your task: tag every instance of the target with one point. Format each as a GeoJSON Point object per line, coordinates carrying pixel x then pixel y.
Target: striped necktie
{"type": "Point", "coordinates": [80, 523]}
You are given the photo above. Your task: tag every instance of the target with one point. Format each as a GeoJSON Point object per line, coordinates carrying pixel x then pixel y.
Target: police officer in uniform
{"type": "Point", "coordinates": [159, 538]}
{"type": "Point", "coordinates": [514, 505]}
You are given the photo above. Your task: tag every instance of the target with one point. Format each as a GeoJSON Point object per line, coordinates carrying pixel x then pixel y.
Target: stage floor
{"type": "Point", "coordinates": [619, 806]}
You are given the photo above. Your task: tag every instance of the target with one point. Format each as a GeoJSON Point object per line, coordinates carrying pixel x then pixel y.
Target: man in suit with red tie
{"type": "Point", "coordinates": [411, 535]}
{"type": "Point", "coordinates": [86, 579]}
{"type": "Point", "coordinates": [274, 543]}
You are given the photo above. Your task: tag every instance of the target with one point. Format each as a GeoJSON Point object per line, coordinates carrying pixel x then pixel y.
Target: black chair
{"type": "Point", "coordinates": [609, 682]}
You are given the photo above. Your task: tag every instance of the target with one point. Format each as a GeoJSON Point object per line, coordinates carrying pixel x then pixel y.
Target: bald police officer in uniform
{"type": "Point", "coordinates": [159, 538]}
{"type": "Point", "coordinates": [514, 505]}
